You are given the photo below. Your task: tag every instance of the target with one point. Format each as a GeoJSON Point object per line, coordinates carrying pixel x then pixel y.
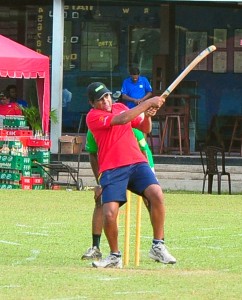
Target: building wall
{"type": "Point", "coordinates": [97, 47]}
{"type": "Point", "coordinates": [128, 34]}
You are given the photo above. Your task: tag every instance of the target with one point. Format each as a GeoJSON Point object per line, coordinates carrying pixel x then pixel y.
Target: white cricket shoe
{"type": "Point", "coordinates": [112, 261]}
{"type": "Point", "coordinates": [159, 253]}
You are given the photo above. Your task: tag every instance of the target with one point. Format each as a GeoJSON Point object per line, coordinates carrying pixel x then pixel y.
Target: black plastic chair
{"type": "Point", "coordinates": [213, 163]}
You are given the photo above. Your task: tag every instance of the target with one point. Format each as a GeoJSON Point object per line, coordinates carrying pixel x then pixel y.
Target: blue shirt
{"type": "Point", "coordinates": [20, 102]}
{"type": "Point", "coordinates": [136, 89]}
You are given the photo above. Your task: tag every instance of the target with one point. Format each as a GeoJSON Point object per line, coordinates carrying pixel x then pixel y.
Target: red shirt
{"type": "Point", "coordinates": [117, 145]}
{"type": "Point", "coordinates": [10, 109]}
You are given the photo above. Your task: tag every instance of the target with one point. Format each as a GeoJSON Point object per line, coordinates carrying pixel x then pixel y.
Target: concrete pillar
{"type": "Point", "coordinates": [57, 71]}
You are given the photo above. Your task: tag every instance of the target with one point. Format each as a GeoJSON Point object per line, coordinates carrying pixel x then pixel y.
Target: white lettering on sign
{"type": "Point", "coordinates": [72, 11]}
{"type": "Point", "coordinates": [12, 133]}
{"type": "Point", "coordinates": [73, 39]}
{"type": "Point", "coordinates": [78, 7]}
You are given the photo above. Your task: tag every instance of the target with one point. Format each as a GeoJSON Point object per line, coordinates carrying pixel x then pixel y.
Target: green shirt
{"type": "Point", "coordinates": [144, 147]}
{"type": "Point", "coordinates": [91, 145]}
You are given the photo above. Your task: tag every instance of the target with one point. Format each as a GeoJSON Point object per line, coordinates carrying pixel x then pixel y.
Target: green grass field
{"type": "Point", "coordinates": [45, 233]}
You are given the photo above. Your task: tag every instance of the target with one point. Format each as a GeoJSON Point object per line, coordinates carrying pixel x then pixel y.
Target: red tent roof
{"type": "Point", "coordinates": [18, 61]}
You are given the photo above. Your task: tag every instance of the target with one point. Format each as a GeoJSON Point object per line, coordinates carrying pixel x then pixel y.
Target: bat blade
{"type": "Point", "coordinates": [188, 69]}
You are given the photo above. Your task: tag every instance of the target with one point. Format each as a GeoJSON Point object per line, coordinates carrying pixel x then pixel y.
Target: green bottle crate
{"type": "Point", "coordinates": [42, 157]}
{"type": "Point", "coordinates": [15, 162]}
{"type": "Point", "coordinates": [26, 173]}
{"type": "Point", "coordinates": [35, 169]}
{"type": "Point", "coordinates": [9, 175]}
{"type": "Point", "coordinates": [14, 122]}
{"type": "Point", "coordinates": [11, 144]}
{"type": "Point", "coordinates": [9, 186]}
{"type": "Point", "coordinates": [38, 186]}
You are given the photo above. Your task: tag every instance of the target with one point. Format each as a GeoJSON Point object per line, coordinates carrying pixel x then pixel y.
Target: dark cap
{"type": "Point", "coordinates": [96, 91]}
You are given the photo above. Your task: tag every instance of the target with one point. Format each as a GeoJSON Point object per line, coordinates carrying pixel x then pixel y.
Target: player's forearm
{"type": "Point", "coordinates": [132, 113]}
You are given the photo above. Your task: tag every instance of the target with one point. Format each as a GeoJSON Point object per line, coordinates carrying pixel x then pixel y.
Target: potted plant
{"type": "Point", "coordinates": [33, 118]}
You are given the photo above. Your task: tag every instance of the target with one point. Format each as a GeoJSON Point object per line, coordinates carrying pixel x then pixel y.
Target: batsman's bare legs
{"type": "Point", "coordinates": [97, 220]}
{"type": "Point", "coordinates": [97, 225]}
{"type": "Point", "coordinates": [156, 208]}
{"type": "Point", "coordinates": [158, 251]}
{"type": "Point", "coordinates": [110, 214]}
{"type": "Point", "coordinates": [154, 195]}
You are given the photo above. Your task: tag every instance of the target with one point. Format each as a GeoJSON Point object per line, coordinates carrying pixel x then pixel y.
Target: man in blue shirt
{"type": "Point", "coordinates": [135, 89]}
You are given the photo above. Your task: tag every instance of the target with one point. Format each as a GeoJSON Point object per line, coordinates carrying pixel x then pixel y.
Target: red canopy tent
{"type": "Point", "coordinates": [18, 61]}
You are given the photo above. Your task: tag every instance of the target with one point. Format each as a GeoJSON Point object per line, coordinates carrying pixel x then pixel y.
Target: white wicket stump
{"type": "Point", "coordinates": [127, 230]}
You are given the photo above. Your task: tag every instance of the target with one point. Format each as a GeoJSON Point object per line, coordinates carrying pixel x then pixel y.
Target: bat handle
{"type": "Point", "coordinates": [165, 94]}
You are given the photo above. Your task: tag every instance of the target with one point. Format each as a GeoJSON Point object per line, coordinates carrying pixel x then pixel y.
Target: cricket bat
{"type": "Point", "coordinates": [188, 69]}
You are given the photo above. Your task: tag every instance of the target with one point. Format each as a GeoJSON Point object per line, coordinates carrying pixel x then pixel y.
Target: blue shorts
{"type": "Point", "coordinates": [116, 182]}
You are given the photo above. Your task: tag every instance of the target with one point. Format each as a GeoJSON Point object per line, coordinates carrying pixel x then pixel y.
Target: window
{"type": "Point", "coordinates": [99, 46]}
{"type": "Point", "coordinates": [144, 43]}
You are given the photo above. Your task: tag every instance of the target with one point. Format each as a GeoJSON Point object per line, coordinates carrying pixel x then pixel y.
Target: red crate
{"type": "Point", "coordinates": [5, 132]}
{"type": "Point", "coordinates": [55, 187]}
{"type": "Point", "coordinates": [26, 186]}
{"type": "Point", "coordinates": [37, 180]}
{"type": "Point", "coordinates": [26, 180]}
{"type": "Point", "coordinates": [24, 140]}
{"type": "Point", "coordinates": [33, 142]}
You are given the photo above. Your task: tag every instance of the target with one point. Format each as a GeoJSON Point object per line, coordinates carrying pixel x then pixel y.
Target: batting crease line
{"type": "Point", "coordinates": [9, 243]}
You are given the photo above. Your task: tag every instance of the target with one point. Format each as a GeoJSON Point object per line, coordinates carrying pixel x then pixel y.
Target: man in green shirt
{"type": "Point", "coordinates": [97, 221]}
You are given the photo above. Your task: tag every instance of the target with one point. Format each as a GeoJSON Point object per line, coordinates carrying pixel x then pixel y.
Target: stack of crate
{"type": "Point", "coordinates": [21, 155]}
